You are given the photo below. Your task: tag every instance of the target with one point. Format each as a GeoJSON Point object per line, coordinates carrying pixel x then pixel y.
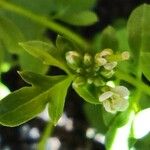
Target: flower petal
{"type": "Point", "coordinates": [99, 60]}
{"type": "Point", "coordinates": [120, 104]}
{"type": "Point", "coordinates": [106, 52]}
{"type": "Point", "coordinates": [110, 66]}
{"type": "Point", "coordinates": [105, 96]}
{"type": "Point", "coordinates": [108, 107]}
{"type": "Point", "coordinates": [121, 90]}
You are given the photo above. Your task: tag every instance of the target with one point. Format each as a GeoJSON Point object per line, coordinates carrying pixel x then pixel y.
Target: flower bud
{"type": "Point", "coordinates": [90, 80]}
{"type": "Point", "coordinates": [115, 99]}
{"type": "Point", "coordinates": [87, 59]}
{"type": "Point", "coordinates": [98, 82]}
{"type": "Point", "coordinates": [107, 74]}
{"type": "Point", "coordinates": [125, 55]}
{"type": "Point", "coordinates": [79, 81]}
{"type": "Point", "coordinates": [106, 52]}
{"type": "Point", "coordinates": [99, 60]}
{"type": "Point", "coordinates": [79, 70]}
{"type": "Point", "coordinates": [110, 65]}
{"type": "Point", "coordinates": [73, 59]}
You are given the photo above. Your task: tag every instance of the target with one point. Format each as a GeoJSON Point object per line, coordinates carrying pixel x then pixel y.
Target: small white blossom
{"type": "Point", "coordinates": [106, 52]}
{"type": "Point", "coordinates": [73, 59]}
{"type": "Point", "coordinates": [110, 66]}
{"type": "Point", "coordinates": [100, 59]}
{"type": "Point", "coordinates": [115, 99]}
{"type": "Point", "coordinates": [125, 55]}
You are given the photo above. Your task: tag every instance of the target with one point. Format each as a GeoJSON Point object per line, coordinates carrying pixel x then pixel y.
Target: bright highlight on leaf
{"type": "Point", "coordinates": [122, 135]}
{"type": "Point", "coordinates": [141, 123]}
{"type": "Point", "coordinates": [4, 91]}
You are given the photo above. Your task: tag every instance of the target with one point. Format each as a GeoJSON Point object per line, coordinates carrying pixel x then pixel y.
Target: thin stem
{"type": "Point", "coordinates": [135, 100]}
{"type": "Point", "coordinates": [135, 82]}
{"type": "Point", "coordinates": [47, 132]}
{"type": "Point", "coordinates": [44, 21]}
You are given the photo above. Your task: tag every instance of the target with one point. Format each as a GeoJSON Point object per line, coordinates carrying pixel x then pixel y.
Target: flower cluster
{"type": "Point", "coordinates": [115, 99]}
{"type": "Point", "coordinates": [97, 69]}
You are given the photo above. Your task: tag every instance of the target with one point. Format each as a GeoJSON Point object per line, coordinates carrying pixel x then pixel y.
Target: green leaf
{"type": "Point", "coordinates": [144, 101]}
{"type": "Point", "coordinates": [57, 99]}
{"type": "Point", "coordinates": [121, 34]}
{"type": "Point", "coordinates": [64, 45]}
{"type": "Point", "coordinates": [138, 36]}
{"type": "Point", "coordinates": [72, 5]}
{"type": "Point", "coordinates": [122, 39]}
{"type": "Point", "coordinates": [24, 104]}
{"type": "Point", "coordinates": [87, 93]}
{"type": "Point", "coordinates": [109, 38]}
{"type": "Point", "coordinates": [31, 30]}
{"type": "Point", "coordinates": [5, 58]}
{"type": "Point", "coordinates": [57, 92]}
{"type": "Point", "coordinates": [82, 18]}
{"type": "Point", "coordinates": [30, 4]}
{"type": "Point", "coordinates": [30, 63]}
{"type": "Point", "coordinates": [145, 64]}
{"type": "Point", "coordinates": [47, 53]}
{"type": "Point", "coordinates": [143, 144]}
{"type": "Point", "coordinates": [10, 35]}
{"type": "Point", "coordinates": [120, 129]}
{"type": "Point", "coordinates": [1, 55]}
{"type": "Point", "coordinates": [107, 117]}
{"type": "Point", "coordinates": [17, 107]}
{"type": "Point", "coordinates": [94, 116]}
{"type": "Point", "coordinates": [41, 81]}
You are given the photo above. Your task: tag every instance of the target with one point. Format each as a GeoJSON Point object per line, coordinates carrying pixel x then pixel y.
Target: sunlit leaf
{"type": "Point", "coordinates": [30, 63]}
{"type": "Point", "coordinates": [10, 35]}
{"type": "Point", "coordinates": [81, 18]}
{"type": "Point", "coordinates": [72, 5]}
{"type": "Point", "coordinates": [25, 103]}
{"type": "Point", "coordinates": [139, 36]}
{"type": "Point", "coordinates": [47, 53]}
{"type": "Point", "coordinates": [4, 91]}
{"type": "Point", "coordinates": [57, 99]}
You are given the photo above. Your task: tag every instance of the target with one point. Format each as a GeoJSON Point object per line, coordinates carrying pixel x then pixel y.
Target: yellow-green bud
{"type": "Point", "coordinates": [106, 52]}
{"type": "Point", "coordinates": [90, 80]}
{"type": "Point", "coordinates": [107, 74]}
{"type": "Point", "coordinates": [87, 59]}
{"type": "Point", "coordinates": [73, 59]}
{"type": "Point", "coordinates": [79, 70]}
{"type": "Point", "coordinates": [98, 82]}
{"type": "Point", "coordinates": [79, 81]}
{"type": "Point", "coordinates": [99, 60]}
{"type": "Point", "coordinates": [125, 55]}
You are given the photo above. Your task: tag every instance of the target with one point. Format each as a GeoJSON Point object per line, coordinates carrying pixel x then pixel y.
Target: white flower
{"type": "Point", "coordinates": [115, 99]}
{"type": "Point", "coordinates": [100, 59]}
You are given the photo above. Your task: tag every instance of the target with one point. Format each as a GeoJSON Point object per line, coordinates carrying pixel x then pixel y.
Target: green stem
{"type": "Point", "coordinates": [47, 132]}
{"type": "Point", "coordinates": [44, 21]}
{"type": "Point", "coordinates": [135, 82]}
{"type": "Point", "coordinates": [135, 100]}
